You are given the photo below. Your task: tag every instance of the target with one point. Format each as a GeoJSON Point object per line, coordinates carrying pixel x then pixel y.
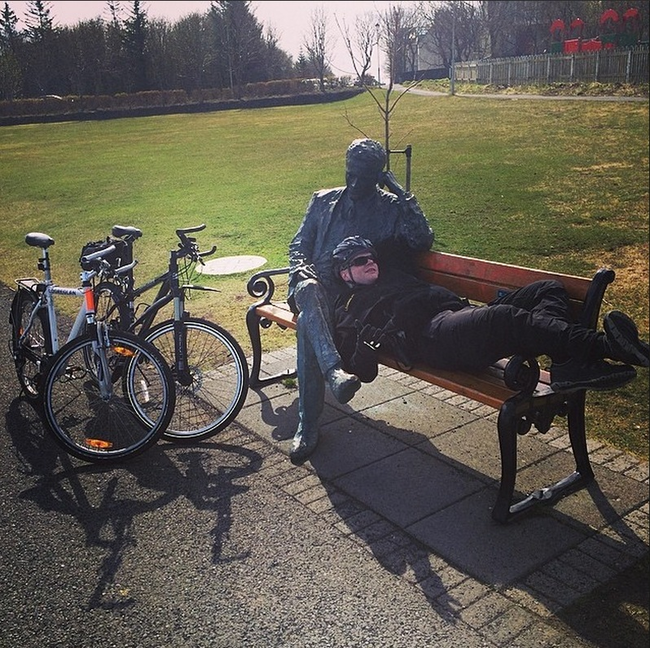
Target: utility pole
{"type": "Point", "coordinates": [378, 60]}
{"type": "Point", "coordinates": [452, 75]}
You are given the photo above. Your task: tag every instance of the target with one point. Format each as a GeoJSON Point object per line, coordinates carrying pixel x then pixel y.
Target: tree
{"type": "Point", "coordinates": [39, 21]}
{"type": "Point", "coordinates": [317, 45]}
{"type": "Point", "coordinates": [135, 44]}
{"type": "Point", "coordinates": [9, 36]}
{"type": "Point", "coordinates": [277, 63]}
{"type": "Point", "coordinates": [457, 26]}
{"type": "Point", "coordinates": [393, 30]}
{"type": "Point", "coordinates": [40, 55]}
{"type": "Point", "coordinates": [361, 44]}
{"type": "Point", "coordinates": [115, 61]}
{"type": "Point", "coordinates": [82, 55]}
{"type": "Point", "coordinates": [190, 52]}
{"type": "Point", "coordinates": [10, 73]}
{"type": "Point", "coordinates": [397, 26]}
{"type": "Point", "coordinates": [159, 55]}
{"type": "Point", "coordinates": [238, 35]}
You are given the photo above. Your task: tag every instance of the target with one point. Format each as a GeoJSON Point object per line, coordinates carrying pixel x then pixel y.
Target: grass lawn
{"type": "Point", "coordinates": [555, 185]}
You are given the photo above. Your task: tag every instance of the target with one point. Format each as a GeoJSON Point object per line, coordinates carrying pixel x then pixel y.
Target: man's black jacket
{"type": "Point", "coordinates": [396, 307]}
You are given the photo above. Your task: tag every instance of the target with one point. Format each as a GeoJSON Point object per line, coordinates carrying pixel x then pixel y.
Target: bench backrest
{"type": "Point", "coordinates": [482, 281]}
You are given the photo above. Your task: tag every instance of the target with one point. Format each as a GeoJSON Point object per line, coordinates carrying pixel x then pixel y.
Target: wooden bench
{"type": "Point", "coordinates": [515, 386]}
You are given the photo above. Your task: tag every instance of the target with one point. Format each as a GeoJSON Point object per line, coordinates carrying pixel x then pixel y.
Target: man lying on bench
{"type": "Point", "coordinates": [410, 318]}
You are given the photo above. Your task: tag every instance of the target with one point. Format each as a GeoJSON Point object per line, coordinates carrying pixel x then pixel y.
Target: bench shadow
{"type": "Point", "coordinates": [399, 551]}
{"type": "Point", "coordinates": [105, 500]}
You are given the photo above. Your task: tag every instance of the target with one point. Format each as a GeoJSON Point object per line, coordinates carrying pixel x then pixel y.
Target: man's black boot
{"type": "Point", "coordinates": [599, 375]}
{"type": "Point", "coordinates": [623, 340]}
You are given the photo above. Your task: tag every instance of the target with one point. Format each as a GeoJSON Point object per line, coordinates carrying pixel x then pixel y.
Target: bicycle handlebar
{"type": "Point", "coordinates": [126, 268]}
{"type": "Point", "coordinates": [188, 246]}
{"type": "Point", "coordinates": [100, 254]}
{"type": "Point", "coordinates": [189, 230]}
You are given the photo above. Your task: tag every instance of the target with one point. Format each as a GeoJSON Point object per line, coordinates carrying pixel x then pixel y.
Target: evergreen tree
{"type": "Point", "coordinates": [8, 29]}
{"type": "Point", "coordinates": [10, 73]}
{"type": "Point", "coordinates": [238, 42]}
{"type": "Point", "coordinates": [135, 45]}
{"type": "Point", "coordinates": [39, 21]}
{"type": "Point", "coordinates": [40, 54]}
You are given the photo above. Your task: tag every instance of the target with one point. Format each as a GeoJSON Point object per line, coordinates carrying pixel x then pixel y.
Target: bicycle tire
{"type": "Point", "coordinates": [30, 355]}
{"type": "Point", "coordinates": [98, 429]}
{"type": "Point", "coordinates": [219, 378]}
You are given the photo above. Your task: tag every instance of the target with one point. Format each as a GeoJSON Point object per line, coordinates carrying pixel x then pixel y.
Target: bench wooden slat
{"type": "Point", "coordinates": [482, 281]}
{"type": "Point", "coordinates": [485, 387]}
{"type": "Point", "coordinates": [479, 271]}
{"type": "Point", "coordinates": [279, 313]}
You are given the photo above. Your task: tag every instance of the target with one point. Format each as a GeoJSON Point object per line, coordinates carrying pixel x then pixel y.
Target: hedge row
{"type": "Point", "coordinates": [132, 109]}
{"type": "Point", "coordinates": [50, 105]}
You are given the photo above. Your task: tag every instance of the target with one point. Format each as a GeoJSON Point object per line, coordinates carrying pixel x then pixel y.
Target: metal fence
{"type": "Point", "coordinates": [603, 66]}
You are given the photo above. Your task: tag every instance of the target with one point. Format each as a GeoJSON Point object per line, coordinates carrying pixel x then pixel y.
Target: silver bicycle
{"type": "Point", "coordinates": [105, 395]}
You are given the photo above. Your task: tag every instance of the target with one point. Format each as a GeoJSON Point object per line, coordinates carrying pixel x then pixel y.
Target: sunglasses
{"type": "Point", "coordinates": [362, 260]}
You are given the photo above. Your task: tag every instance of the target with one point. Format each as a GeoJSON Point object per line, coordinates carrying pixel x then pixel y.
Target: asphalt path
{"type": "Point", "coordinates": [372, 544]}
{"type": "Point", "coordinates": [514, 96]}
{"type": "Point", "coordinates": [184, 546]}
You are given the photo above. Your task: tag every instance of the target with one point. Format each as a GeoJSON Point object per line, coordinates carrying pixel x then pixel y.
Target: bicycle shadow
{"type": "Point", "coordinates": [106, 501]}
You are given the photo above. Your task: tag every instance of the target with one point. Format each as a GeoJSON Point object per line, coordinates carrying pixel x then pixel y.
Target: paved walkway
{"type": "Point", "coordinates": [384, 539]}
{"type": "Point", "coordinates": [435, 93]}
{"type": "Point", "coordinates": [409, 472]}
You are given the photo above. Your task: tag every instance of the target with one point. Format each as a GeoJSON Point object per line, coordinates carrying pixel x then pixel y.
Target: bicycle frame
{"type": "Point", "coordinates": [170, 291]}
{"type": "Point", "coordinates": [85, 318]}
{"type": "Point", "coordinates": [47, 289]}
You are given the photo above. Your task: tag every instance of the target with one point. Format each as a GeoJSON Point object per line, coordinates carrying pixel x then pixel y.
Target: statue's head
{"type": "Point", "coordinates": [365, 156]}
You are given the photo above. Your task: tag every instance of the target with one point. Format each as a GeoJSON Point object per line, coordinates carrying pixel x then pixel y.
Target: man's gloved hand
{"type": "Point", "coordinates": [371, 336]}
{"type": "Point", "coordinates": [389, 338]}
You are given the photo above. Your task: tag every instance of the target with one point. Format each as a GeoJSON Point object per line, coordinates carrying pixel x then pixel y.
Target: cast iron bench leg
{"type": "Point", "coordinates": [507, 428]}
{"type": "Point", "coordinates": [578, 436]}
{"type": "Point", "coordinates": [254, 323]}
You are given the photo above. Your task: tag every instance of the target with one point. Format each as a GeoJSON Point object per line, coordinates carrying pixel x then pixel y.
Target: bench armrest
{"type": "Point", "coordinates": [594, 297]}
{"type": "Point", "coordinates": [262, 286]}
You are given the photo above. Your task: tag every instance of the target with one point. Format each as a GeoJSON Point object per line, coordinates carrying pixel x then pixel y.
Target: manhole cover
{"type": "Point", "coordinates": [231, 265]}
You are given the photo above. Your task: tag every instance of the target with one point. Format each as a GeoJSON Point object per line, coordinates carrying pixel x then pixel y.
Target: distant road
{"type": "Point", "coordinates": [434, 93]}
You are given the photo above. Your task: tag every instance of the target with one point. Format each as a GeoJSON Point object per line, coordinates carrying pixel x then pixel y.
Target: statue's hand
{"type": "Point", "coordinates": [306, 271]}
{"type": "Point", "coordinates": [388, 181]}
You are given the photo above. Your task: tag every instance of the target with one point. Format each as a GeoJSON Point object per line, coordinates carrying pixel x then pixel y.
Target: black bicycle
{"type": "Point", "coordinates": [207, 362]}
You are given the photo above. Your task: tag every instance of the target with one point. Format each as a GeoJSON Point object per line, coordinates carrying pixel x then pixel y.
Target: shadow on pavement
{"type": "Point", "coordinates": [106, 500]}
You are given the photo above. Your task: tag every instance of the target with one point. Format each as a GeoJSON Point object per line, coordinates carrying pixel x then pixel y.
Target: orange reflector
{"type": "Point", "coordinates": [123, 351]}
{"type": "Point", "coordinates": [99, 444]}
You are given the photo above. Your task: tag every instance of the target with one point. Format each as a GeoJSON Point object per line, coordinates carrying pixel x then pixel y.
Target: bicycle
{"type": "Point", "coordinates": [104, 395]}
{"type": "Point", "coordinates": [207, 362]}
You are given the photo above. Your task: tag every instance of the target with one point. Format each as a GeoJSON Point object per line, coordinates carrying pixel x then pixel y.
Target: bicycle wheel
{"type": "Point", "coordinates": [30, 354]}
{"type": "Point", "coordinates": [95, 412]}
{"type": "Point", "coordinates": [215, 388]}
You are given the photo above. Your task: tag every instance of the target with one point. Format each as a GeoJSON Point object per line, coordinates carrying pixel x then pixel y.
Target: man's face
{"type": "Point", "coordinates": [361, 180]}
{"type": "Point", "coordinates": [362, 269]}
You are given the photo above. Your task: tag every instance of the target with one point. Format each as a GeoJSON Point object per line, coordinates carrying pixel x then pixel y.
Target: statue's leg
{"type": "Point", "coordinates": [311, 393]}
{"type": "Point", "coordinates": [315, 323]}
{"type": "Point", "coordinates": [317, 361]}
